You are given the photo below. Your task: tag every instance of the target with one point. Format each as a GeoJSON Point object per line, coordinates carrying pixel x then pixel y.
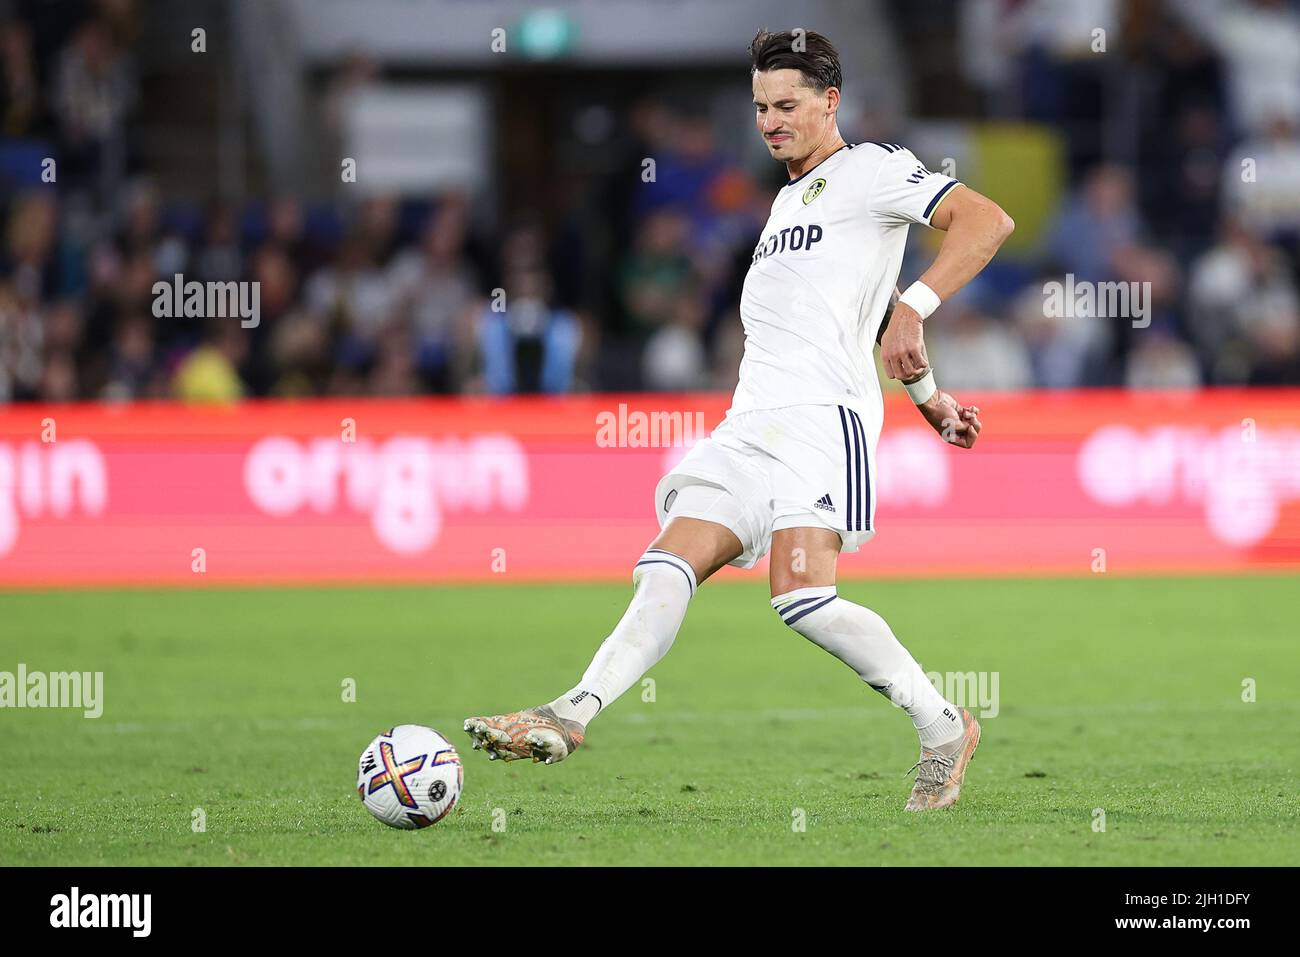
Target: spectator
{"type": "Point", "coordinates": [21, 345]}
{"type": "Point", "coordinates": [973, 351]}
{"type": "Point", "coordinates": [286, 228]}
{"type": "Point", "coordinates": [394, 371]}
{"type": "Point", "coordinates": [219, 258]}
{"type": "Point", "coordinates": [1260, 181]}
{"type": "Point", "coordinates": [657, 272]}
{"type": "Point", "coordinates": [1259, 41]}
{"type": "Point", "coordinates": [211, 372]}
{"type": "Point", "coordinates": [355, 298]}
{"type": "Point", "coordinates": [1275, 345]}
{"type": "Point", "coordinates": [131, 365]}
{"type": "Point", "coordinates": [59, 378]}
{"type": "Point", "coordinates": [1161, 361]}
{"type": "Point", "coordinates": [142, 230]}
{"type": "Point", "coordinates": [674, 357]}
{"type": "Point", "coordinates": [19, 92]}
{"type": "Point", "coordinates": [531, 346]}
{"type": "Point", "coordinates": [1240, 285]}
{"type": "Point", "coordinates": [435, 287]}
{"type": "Point", "coordinates": [93, 91]}
{"type": "Point", "coordinates": [1058, 345]}
{"type": "Point", "coordinates": [30, 239]}
{"type": "Point", "coordinates": [300, 356]}
{"type": "Point", "coordinates": [1097, 222]}
{"type": "Point", "coordinates": [1063, 79]}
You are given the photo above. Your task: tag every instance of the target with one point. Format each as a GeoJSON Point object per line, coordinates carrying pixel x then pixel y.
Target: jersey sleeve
{"type": "Point", "coordinates": [905, 191]}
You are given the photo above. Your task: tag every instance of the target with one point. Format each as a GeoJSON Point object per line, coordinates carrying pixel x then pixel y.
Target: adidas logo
{"type": "Point", "coordinates": [825, 502]}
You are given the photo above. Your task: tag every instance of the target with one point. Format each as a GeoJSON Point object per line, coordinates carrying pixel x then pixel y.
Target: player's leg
{"type": "Point", "coordinates": [664, 579]}
{"type": "Point", "coordinates": [804, 594]}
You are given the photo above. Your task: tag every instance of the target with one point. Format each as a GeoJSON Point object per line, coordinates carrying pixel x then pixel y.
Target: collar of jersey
{"type": "Point", "coordinates": [846, 146]}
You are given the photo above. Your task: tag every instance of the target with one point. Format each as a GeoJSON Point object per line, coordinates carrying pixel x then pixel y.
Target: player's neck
{"type": "Point", "coordinates": [833, 144]}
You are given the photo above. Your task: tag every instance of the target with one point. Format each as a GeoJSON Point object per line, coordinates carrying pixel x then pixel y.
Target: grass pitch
{"type": "Point", "coordinates": [1115, 697]}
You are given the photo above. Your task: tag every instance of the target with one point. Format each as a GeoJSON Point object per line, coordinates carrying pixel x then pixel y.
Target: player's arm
{"type": "Point", "coordinates": [975, 228]}
{"type": "Point", "coordinates": [956, 423]}
{"type": "Point", "coordinates": [889, 314]}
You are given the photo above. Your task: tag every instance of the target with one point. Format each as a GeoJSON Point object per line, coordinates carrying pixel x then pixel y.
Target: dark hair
{"type": "Point", "coordinates": [813, 56]}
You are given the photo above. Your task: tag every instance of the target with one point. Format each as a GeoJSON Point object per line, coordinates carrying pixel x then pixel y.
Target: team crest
{"type": "Point", "coordinates": [814, 190]}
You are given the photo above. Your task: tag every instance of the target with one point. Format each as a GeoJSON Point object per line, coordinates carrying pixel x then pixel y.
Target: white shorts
{"type": "Point", "coordinates": [802, 465]}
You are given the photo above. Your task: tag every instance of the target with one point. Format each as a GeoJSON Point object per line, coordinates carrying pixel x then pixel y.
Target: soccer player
{"type": "Point", "coordinates": [792, 467]}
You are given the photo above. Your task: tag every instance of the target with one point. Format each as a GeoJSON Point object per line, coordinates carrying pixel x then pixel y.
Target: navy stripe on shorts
{"type": "Point", "coordinates": [857, 472]}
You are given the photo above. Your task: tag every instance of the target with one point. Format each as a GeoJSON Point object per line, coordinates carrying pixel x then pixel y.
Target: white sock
{"type": "Point", "coordinates": [862, 640]}
{"type": "Point", "coordinates": [664, 584]}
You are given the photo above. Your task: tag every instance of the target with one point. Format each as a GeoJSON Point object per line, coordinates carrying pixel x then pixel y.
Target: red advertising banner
{"type": "Point", "coordinates": [430, 490]}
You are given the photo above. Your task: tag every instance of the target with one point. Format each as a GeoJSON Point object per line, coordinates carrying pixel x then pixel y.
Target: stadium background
{"type": "Point", "coordinates": [389, 502]}
{"type": "Point", "coordinates": [562, 201]}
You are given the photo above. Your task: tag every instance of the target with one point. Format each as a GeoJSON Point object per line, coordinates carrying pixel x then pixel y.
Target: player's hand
{"type": "Point", "coordinates": [956, 424]}
{"type": "Point", "coordinates": [902, 348]}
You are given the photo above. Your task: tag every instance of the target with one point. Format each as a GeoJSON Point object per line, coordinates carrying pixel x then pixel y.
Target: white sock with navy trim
{"type": "Point", "coordinates": [664, 584]}
{"type": "Point", "coordinates": [863, 640]}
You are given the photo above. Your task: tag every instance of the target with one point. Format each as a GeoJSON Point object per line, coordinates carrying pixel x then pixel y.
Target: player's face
{"type": "Point", "coordinates": [792, 118]}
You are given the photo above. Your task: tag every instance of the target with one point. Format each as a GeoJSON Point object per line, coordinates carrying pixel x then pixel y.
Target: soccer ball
{"type": "Point", "coordinates": [410, 777]}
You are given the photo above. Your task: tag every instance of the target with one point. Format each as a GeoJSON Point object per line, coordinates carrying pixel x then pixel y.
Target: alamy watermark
{"type": "Point", "coordinates": [1083, 299]}
{"type": "Point", "coordinates": [54, 689]}
{"type": "Point", "coordinates": [76, 909]}
{"type": "Point", "coordinates": [969, 689]}
{"type": "Point", "coordinates": [977, 691]}
{"type": "Point", "coordinates": [648, 430]}
{"type": "Point", "coordinates": [179, 299]}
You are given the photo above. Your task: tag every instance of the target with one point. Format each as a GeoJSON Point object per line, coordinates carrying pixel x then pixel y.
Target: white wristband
{"type": "Point", "coordinates": [922, 388]}
{"type": "Point", "coordinates": [921, 298]}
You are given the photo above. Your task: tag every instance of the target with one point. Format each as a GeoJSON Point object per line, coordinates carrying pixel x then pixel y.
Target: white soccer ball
{"type": "Point", "coordinates": [410, 777]}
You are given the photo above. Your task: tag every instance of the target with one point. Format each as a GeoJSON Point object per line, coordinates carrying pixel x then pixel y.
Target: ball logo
{"type": "Point", "coordinates": [395, 774]}
{"type": "Point", "coordinates": [814, 190]}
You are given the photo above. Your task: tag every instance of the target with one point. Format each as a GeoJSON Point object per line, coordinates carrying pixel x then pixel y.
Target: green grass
{"type": "Point", "coordinates": [1117, 694]}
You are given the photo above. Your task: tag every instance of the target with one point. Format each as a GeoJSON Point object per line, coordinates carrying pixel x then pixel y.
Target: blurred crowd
{"type": "Point", "coordinates": [397, 297]}
{"type": "Point", "coordinates": [1199, 104]}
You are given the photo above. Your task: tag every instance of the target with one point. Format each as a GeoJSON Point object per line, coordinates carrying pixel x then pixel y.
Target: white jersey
{"type": "Point", "coordinates": [822, 276]}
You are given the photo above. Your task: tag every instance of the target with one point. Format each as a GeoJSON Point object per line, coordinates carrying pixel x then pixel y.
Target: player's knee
{"type": "Point", "coordinates": [671, 568]}
{"type": "Point", "coordinates": [784, 581]}
{"type": "Point", "coordinates": [803, 558]}
{"type": "Point", "coordinates": [706, 527]}
{"type": "Point", "coordinates": [798, 606]}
